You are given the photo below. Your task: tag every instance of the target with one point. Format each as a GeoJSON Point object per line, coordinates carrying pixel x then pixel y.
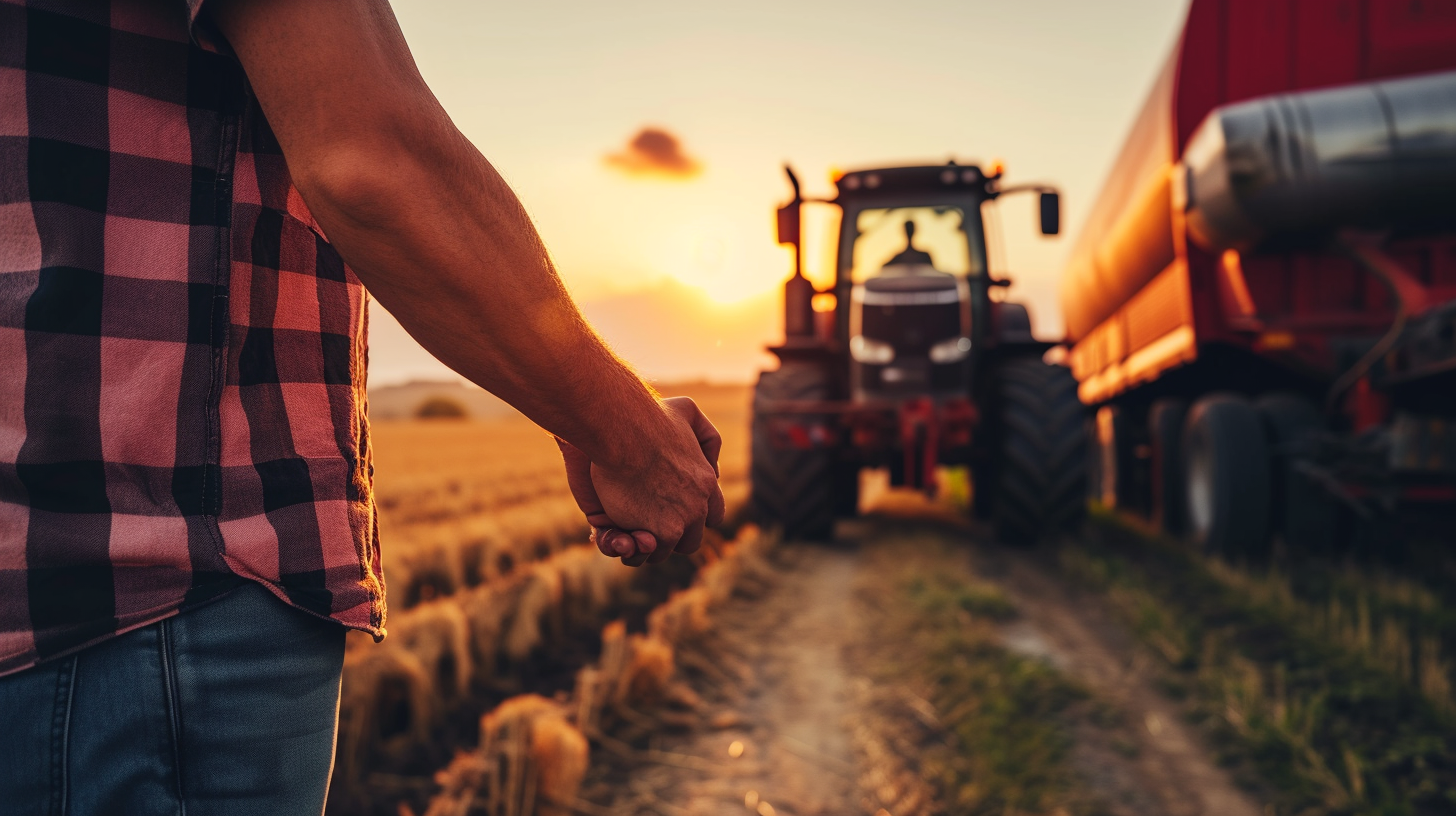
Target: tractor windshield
{"type": "Point", "coordinates": [912, 241]}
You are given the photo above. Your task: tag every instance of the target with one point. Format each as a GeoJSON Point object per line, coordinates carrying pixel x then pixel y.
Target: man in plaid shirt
{"type": "Point", "coordinates": [194, 198]}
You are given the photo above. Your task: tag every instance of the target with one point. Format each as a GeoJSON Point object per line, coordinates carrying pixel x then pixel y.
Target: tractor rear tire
{"type": "Point", "coordinates": [1042, 468]}
{"type": "Point", "coordinates": [1226, 475]}
{"type": "Point", "coordinates": [795, 488]}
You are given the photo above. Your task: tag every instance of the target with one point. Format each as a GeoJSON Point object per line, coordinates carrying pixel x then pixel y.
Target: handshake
{"type": "Point", "coordinates": [660, 497]}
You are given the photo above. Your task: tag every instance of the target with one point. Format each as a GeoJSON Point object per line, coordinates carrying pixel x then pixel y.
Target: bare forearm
{"type": "Point", "coordinates": [439, 239]}
{"type": "Point", "coordinates": [429, 226]}
{"type": "Point", "coordinates": [443, 243]}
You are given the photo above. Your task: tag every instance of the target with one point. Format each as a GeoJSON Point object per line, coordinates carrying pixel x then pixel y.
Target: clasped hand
{"type": "Point", "coordinates": [645, 513]}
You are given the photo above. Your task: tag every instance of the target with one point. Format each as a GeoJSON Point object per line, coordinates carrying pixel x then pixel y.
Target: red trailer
{"type": "Point", "coordinates": [1263, 300]}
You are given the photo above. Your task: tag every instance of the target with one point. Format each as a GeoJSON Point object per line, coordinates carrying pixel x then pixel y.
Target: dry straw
{"type": "Point", "coordinates": [533, 751]}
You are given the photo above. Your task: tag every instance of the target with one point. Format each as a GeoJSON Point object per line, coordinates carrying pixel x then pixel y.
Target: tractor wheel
{"type": "Point", "coordinates": [1165, 431]}
{"type": "Point", "coordinates": [1226, 477]}
{"type": "Point", "coordinates": [793, 487]}
{"type": "Point", "coordinates": [983, 491]}
{"type": "Point", "coordinates": [1040, 488]}
{"type": "Point", "coordinates": [1305, 514]}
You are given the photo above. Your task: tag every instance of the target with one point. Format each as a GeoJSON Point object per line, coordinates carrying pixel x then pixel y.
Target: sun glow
{"type": "Point", "coordinates": [723, 255]}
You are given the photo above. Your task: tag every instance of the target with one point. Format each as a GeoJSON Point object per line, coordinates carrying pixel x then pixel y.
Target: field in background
{"type": "Point", "coordinates": [463, 501]}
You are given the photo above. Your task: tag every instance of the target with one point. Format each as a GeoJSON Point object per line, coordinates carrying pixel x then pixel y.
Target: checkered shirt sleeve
{"type": "Point", "coordinates": [182, 406]}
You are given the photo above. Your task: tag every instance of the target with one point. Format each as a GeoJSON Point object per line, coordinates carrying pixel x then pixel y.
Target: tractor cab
{"type": "Point", "coordinates": [910, 320]}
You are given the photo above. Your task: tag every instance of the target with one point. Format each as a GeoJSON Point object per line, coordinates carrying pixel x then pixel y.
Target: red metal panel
{"type": "Point", "coordinates": [1268, 281]}
{"type": "Point", "coordinates": [1208, 319]}
{"type": "Point", "coordinates": [1201, 61]}
{"type": "Point", "coordinates": [1327, 42]}
{"type": "Point", "coordinates": [1238, 49]}
{"type": "Point", "coordinates": [1410, 37]}
{"type": "Point", "coordinates": [1260, 42]}
{"type": "Point", "coordinates": [1324, 284]}
{"type": "Point", "coordinates": [1431, 260]}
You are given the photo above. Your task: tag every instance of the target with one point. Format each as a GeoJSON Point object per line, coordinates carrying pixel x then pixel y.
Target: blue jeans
{"type": "Point", "coordinates": [229, 708]}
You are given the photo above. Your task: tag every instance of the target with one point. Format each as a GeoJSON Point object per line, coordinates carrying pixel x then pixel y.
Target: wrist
{"type": "Point", "coordinates": [637, 439]}
{"type": "Point", "coordinates": [629, 427]}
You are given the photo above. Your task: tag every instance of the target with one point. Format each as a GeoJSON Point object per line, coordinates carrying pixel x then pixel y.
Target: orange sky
{"type": "Point", "coordinates": [679, 268]}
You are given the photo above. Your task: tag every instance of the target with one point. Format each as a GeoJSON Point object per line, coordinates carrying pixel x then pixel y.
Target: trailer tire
{"type": "Point", "coordinates": [794, 488]}
{"type": "Point", "coordinates": [1094, 460]}
{"type": "Point", "coordinates": [1226, 477]}
{"type": "Point", "coordinates": [1305, 514]}
{"type": "Point", "coordinates": [1165, 432]}
{"type": "Point", "coordinates": [1040, 489]}
{"type": "Point", "coordinates": [1116, 461]}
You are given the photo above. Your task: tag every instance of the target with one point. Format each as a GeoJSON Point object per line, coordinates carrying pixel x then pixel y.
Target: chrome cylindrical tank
{"type": "Point", "coordinates": [1377, 154]}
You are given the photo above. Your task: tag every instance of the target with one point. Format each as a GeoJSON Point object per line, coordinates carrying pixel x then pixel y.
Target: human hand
{"type": "Point", "coordinates": [644, 512]}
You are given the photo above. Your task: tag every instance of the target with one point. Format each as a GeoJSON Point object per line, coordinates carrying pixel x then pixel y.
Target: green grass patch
{"type": "Point", "coordinates": [1004, 718]}
{"type": "Point", "coordinates": [1325, 682]}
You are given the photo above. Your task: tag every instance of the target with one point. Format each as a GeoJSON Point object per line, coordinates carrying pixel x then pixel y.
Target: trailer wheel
{"type": "Point", "coordinates": [1305, 514]}
{"type": "Point", "coordinates": [1165, 431]}
{"type": "Point", "coordinates": [1040, 489]}
{"type": "Point", "coordinates": [1094, 459]}
{"type": "Point", "coordinates": [1116, 463]}
{"type": "Point", "coordinates": [794, 487]}
{"type": "Point", "coordinates": [1226, 477]}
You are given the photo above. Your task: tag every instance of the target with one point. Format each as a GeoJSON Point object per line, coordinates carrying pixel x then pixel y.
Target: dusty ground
{"type": "Point", "coordinates": [774, 737]}
{"type": "Point", "coordinates": [780, 731]}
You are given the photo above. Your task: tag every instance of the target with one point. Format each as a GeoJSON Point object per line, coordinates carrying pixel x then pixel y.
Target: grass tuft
{"type": "Point", "coordinates": [1003, 739]}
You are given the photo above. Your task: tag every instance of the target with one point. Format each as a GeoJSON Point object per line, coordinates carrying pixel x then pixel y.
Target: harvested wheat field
{"type": "Point", "coordinates": [493, 592]}
{"type": "Point", "coordinates": [913, 666]}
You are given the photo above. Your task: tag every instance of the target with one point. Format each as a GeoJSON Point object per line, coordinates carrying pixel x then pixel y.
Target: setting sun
{"type": "Point", "coordinates": [730, 257]}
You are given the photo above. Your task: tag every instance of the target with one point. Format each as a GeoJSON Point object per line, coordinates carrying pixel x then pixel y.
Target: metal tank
{"type": "Point", "coordinates": [1368, 155]}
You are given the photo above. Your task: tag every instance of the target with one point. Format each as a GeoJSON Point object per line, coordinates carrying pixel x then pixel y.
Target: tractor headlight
{"type": "Point", "coordinates": [873, 352]}
{"type": "Point", "coordinates": [951, 351]}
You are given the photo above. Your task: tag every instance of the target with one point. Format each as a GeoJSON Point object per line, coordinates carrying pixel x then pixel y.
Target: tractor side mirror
{"type": "Point", "coordinates": [1051, 213]}
{"type": "Point", "coordinates": [789, 223]}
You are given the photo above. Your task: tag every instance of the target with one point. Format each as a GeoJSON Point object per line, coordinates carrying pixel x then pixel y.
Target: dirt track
{"type": "Point", "coordinates": [781, 695]}
{"type": "Point", "coordinates": [779, 689]}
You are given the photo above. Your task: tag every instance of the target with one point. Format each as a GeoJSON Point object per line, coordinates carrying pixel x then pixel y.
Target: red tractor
{"type": "Point", "coordinates": [916, 365]}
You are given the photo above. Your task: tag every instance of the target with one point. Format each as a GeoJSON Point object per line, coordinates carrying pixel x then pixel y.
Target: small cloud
{"type": "Point", "coordinates": [654, 152]}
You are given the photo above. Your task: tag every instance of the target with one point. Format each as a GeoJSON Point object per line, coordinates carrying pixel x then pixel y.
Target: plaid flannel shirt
{"type": "Point", "coordinates": [182, 351]}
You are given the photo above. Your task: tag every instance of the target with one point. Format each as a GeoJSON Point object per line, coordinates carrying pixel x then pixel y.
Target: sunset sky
{"type": "Point", "coordinates": [678, 267]}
